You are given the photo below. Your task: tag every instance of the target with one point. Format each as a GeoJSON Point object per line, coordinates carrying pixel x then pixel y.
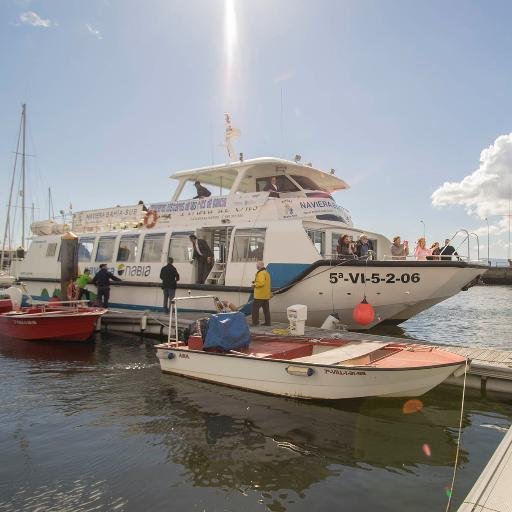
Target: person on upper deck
{"type": "Point", "coordinates": [345, 247]}
{"type": "Point", "coordinates": [202, 192]}
{"type": "Point", "coordinates": [399, 251]}
{"type": "Point", "coordinates": [447, 251]}
{"type": "Point", "coordinates": [272, 187]}
{"type": "Point", "coordinates": [144, 207]}
{"type": "Point", "coordinates": [364, 248]}
{"type": "Point", "coordinates": [421, 252]}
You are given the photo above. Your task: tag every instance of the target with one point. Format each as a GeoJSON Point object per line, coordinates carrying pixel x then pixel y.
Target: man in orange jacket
{"type": "Point", "coordinates": [262, 294]}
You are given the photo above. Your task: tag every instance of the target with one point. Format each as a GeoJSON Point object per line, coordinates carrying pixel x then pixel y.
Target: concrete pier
{"type": "Point", "coordinates": [497, 275]}
{"type": "Point", "coordinates": [491, 492]}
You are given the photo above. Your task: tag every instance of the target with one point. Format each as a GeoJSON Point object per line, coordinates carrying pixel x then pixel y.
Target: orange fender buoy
{"type": "Point", "coordinates": [363, 313]}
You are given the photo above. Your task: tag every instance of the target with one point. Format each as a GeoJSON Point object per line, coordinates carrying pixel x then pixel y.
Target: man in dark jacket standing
{"type": "Point", "coordinates": [169, 275]}
{"type": "Point", "coordinates": [204, 257]}
{"type": "Point", "coordinates": [102, 282]}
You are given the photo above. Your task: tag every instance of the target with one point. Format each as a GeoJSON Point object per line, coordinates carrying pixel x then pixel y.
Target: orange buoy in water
{"type": "Point", "coordinates": [363, 313]}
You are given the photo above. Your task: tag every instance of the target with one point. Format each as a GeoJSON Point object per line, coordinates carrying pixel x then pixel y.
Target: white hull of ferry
{"type": "Point", "coordinates": [391, 298]}
{"type": "Point", "coordinates": [295, 234]}
{"type": "Point", "coordinates": [326, 382]}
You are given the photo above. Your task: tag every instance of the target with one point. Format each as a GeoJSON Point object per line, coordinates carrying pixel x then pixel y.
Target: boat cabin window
{"type": "Point", "coordinates": [248, 245]}
{"type": "Point", "coordinates": [105, 251]}
{"type": "Point", "coordinates": [318, 239]}
{"type": "Point", "coordinates": [283, 184]}
{"type": "Point", "coordinates": [51, 250]}
{"type": "Point", "coordinates": [180, 248]}
{"type": "Point", "coordinates": [307, 183]}
{"type": "Point", "coordinates": [152, 247]}
{"type": "Point", "coordinates": [128, 248]}
{"type": "Point", "coordinates": [85, 248]}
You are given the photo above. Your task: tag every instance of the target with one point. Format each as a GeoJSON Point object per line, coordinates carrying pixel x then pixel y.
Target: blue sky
{"type": "Point", "coordinates": [398, 96]}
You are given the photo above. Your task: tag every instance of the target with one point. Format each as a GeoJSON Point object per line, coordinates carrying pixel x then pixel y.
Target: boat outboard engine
{"type": "Point", "coordinates": [297, 316]}
{"type": "Point", "coordinates": [16, 295]}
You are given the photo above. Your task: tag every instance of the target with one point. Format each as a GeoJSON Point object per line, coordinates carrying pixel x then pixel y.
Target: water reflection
{"type": "Point", "coordinates": [46, 351]}
{"type": "Point", "coordinates": [233, 438]}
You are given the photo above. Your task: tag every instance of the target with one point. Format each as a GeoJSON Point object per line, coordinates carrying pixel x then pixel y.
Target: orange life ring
{"type": "Point", "coordinates": [150, 219]}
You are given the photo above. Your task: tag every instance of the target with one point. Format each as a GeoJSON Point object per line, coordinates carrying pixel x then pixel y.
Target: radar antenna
{"type": "Point", "coordinates": [230, 133]}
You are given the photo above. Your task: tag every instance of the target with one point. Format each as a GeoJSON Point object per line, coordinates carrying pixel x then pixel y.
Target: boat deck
{"type": "Point", "coordinates": [491, 492]}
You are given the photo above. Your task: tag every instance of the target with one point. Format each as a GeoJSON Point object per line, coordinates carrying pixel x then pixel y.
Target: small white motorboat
{"type": "Point", "coordinates": [329, 367]}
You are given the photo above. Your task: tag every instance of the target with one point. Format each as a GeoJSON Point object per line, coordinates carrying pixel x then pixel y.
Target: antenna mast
{"type": "Point", "coordinates": [230, 133]}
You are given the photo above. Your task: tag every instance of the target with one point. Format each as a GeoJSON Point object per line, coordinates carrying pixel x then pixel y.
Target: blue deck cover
{"type": "Point", "coordinates": [227, 331]}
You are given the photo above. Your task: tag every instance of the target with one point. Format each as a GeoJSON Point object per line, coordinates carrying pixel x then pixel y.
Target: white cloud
{"type": "Point", "coordinates": [32, 18]}
{"type": "Point", "coordinates": [486, 191]}
{"type": "Point", "coordinates": [93, 31]}
{"type": "Point", "coordinates": [282, 77]}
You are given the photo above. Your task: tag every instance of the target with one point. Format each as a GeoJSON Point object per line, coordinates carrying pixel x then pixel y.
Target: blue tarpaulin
{"type": "Point", "coordinates": [227, 331]}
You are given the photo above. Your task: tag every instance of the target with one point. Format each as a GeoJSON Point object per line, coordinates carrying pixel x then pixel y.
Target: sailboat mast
{"type": "Point", "coordinates": [7, 231]}
{"type": "Point", "coordinates": [24, 121]}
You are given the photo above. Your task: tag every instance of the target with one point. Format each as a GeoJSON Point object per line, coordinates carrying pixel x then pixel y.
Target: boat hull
{"type": "Point", "coordinates": [49, 328]}
{"type": "Point", "coordinates": [324, 382]}
{"type": "Point", "coordinates": [396, 290]}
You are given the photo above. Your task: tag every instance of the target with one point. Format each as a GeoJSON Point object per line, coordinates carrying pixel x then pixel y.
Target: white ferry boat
{"type": "Point", "coordinates": [295, 234]}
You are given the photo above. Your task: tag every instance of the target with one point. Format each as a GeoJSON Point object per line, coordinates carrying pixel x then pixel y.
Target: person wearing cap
{"type": "Point", "coordinates": [363, 247]}
{"type": "Point", "coordinates": [203, 256]}
{"type": "Point", "coordinates": [201, 191]}
{"type": "Point", "coordinates": [102, 281]}
{"type": "Point", "coordinates": [399, 250]}
{"type": "Point", "coordinates": [81, 283]}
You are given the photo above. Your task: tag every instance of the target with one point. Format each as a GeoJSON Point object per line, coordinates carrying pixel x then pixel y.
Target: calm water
{"type": "Point", "coordinates": [98, 427]}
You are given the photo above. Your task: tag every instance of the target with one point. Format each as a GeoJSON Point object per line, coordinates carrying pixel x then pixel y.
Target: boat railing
{"type": "Point", "coordinates": [173, 312]}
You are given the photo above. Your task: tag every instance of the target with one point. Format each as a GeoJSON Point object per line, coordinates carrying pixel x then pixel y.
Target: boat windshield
{"type": "Point", "coordinates": [307, 183]}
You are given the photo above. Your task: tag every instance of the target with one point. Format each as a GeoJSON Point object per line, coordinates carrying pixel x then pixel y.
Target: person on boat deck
{"type": "Point", "coordinates": [345, 247]}
{"type": "Point", "coordinates": [201, 191]}
{"type": "Point", "coordinates": [434, 251]}
{"type": "Point", "coordinates": [102, 281]}
{"type": "Point", "coordinates": [81, 282]}
{"type": "Point", "coordinates": [447, 251]}
{"type": "Point", "coordinates": [144, 207]}
{"type": "Point", "coordinates": [262, 294]}
{"type": "Point", "coordinates": [204, 257]}
{"type": "Point", "coordinates": [272, 187]}
{"type": "Point", "coordinates": [363, 247]}
{"type": "Point", "coordinates": [399, 251]}
{"type": "Point", "coordinates": [421, 251]}
{"type": "Point", "coordinates": [169, 275]}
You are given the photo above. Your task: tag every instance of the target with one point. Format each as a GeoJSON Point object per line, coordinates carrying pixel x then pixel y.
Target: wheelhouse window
{"type": "Point", "coordinates": [105, 251]}
{"type": "Point", "coordinates": [152, 248]}
{"type": "Point", "coordinates": [128, 246]}
{"type": "Point", "coordinates": [51, 249]}
{"type": "Point", "coordinates": [283, 184]}
{"type": "Point", "coordinates": [85, 248]}
{"type": "Point", "coordinates": [318, 239]}
{"type": "Point", "coordinates": [248, 245]}
{"type": "Point", "coordinates": [180, 248]}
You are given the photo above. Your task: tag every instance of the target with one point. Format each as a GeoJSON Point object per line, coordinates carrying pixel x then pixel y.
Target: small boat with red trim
{"type": "Point", "coordinates": [324, 366]}
{"type": "Point", "coordinates": [49, 322]}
